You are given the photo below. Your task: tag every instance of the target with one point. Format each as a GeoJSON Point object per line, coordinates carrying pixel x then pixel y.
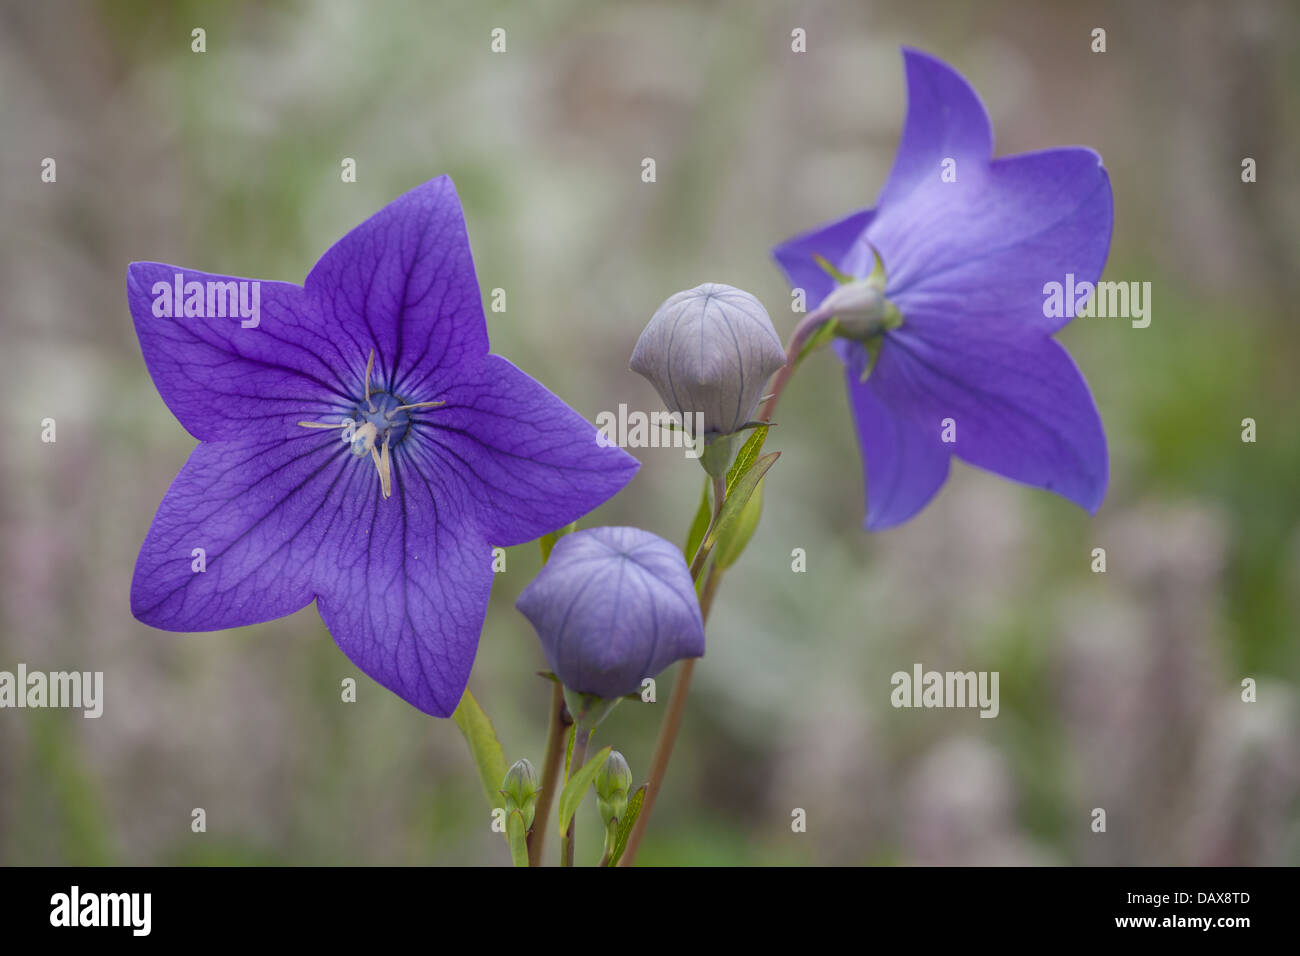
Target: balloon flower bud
{"type": "Point", "coordinates": [861, 310]}
{"type": "Point", "coordinates": [520, 789]}
{"type": "Point", "coordinates": [613, 784]}
{"type": "Point", "coordinates": [709, 352]}
{"type": "Point", "coordinates": [613, 606]}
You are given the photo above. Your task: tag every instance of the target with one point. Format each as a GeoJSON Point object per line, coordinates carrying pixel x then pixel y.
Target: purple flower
{"type": "Point", "coordinates": [967, 244]}
{"type": "Point", "coordinates": [358, 446]}
{"type": "Point", "coordinates": [613, 606]}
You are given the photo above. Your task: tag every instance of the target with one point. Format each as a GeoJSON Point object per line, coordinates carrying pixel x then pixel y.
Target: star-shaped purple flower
{"type": "Point", "coordinates": [967, 243]}
{"type": "Point", "coordinates": [358, 446]}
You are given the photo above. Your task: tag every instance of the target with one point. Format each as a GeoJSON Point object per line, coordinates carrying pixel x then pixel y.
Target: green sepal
{"type": "Point", "coordinates": [819, 338]}
{"type": "Point", "coordinates": [824, 264]}
{"type": "Point", "coordinates": [517, 837]}
{"type": "Point", "coordinates": [547, 541]}
{"type": "Point", "coordinates": [877, 274]}
{"type": "Point", "coordinates": [484, 746]}
{"type": "Point", "coordinates": [573, 792]}
{"type": "Point", "coordinates": [873, 355]}
{"type": "Point", "coordinates": [626, 823]}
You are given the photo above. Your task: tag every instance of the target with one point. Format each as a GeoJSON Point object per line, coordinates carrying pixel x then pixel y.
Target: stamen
{"type": "Point", "coordinates": [403, 408]}
{"type": "Point", "coordinates": [384, 467]}
{"type": "Point", "coordinates": [327, 424]}
{"type": "Point", "coordinates": [370, 365]}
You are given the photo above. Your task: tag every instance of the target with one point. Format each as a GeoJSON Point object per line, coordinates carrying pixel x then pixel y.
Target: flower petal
{"type": "Point", "coordinates": [842, 243]}
{"type": "Point", "coordinates": [259, 510]}
{"type": "Point", "coordinates": [985, 246]}
{"type": "Point", "coordinates": [404, 582]}
{"type": "Point", "coordinates": [905, 463]}
{"type": "Point", "coordinates": [1020, 406]}
{"type": "Point", "coordinates": [226, 382]}
{"type": "Point", "coordinates": [403, 283]}
{"type": "Point", "coordinates": [945, 120]}
{"type": "Point", "coordinates": [531, 462]}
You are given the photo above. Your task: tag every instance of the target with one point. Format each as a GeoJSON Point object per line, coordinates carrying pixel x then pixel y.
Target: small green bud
{"type": "Point", "coordinates": [613, 784]}
{"type": "Point", "coordinates": [520, 790]}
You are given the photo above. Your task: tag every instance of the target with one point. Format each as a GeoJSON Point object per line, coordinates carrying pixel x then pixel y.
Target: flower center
{"type": "Point", "coordinates": [379, 421]}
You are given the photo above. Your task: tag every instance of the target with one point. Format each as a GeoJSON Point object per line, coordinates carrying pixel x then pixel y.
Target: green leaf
{"type": "Point", "coordinates": [732, 543]}
{"type": "Point", "coordinates": [625, 825]}
{"type": "Point", "coordinates": [517, 837]}
{"type": "Point", "coordinates": [547, 541]}
{"type": "Point", "coordinates": [700, 526]}
{"type": "Point", "coordinates": [746, 457]}
{"type": "Point", "coordinates": [483, 746]}
{"type": "Point", "coordinates": [734, 504]}
{"type": "Point", "coordinates": [573, 792]}
{"type": "Point", "coordinates": [568, 751]}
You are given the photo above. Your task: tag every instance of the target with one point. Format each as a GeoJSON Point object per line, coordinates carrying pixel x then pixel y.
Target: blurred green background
{"type": "Point", "coordinates": [1119, 691]}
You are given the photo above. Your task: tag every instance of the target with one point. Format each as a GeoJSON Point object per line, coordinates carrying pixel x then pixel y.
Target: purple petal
{"type": "Point", "coordinates": [533, 464]}
{"type": "Point", "coordinates": [403, 283]}
{"type": "Point", "coordinates": [842, 243]}
{"type": "Point", "coordinates": [985, 246]}
{"type": "Point", "coordinates": [905, 463]}
{"type": "Point", "coordinates": [1020, 406]}
{"type": "Point", "coordinates": [404, 582]}
{"type": "Point", "coordinates": [259, 511]}
{"type": "Point", "coordinates": [223, 381]}
{"type": "Point", "coordinates": [945, 120]}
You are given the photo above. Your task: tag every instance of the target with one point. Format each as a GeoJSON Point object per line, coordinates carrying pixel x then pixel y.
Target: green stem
{"type": "Point", "coordinates": [559, 723]}
{"type": "Point", "coordinates": [677, 703]}
{"type": "Point", "coordinates": [575, 763]}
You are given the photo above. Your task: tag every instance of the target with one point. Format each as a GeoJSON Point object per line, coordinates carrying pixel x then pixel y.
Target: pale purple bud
{"type": "Point", "coordinates": [613, 606]}
{"type": "Point", "coordinates": [710, 350]}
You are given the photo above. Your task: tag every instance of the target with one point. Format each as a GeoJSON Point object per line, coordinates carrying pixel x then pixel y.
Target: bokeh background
{"type": "Point", "coordinates": [1118, 690]}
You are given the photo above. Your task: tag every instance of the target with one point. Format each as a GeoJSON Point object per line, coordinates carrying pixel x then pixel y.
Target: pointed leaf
{"type": "Point", "coordinates": [576, 788]}
{"type": "Point", "coordinates": [483, 746]}
{"type": "Point", "coordinates": [699, 526]}
{"type": "Point", "coordinates": [625, 825]}
{"type": "Point", "coordinates": [732, 542]}
{"type": "Point", "coordinates": [739, 496]}
{"type": "Point", "coordinates": [746, 457]}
